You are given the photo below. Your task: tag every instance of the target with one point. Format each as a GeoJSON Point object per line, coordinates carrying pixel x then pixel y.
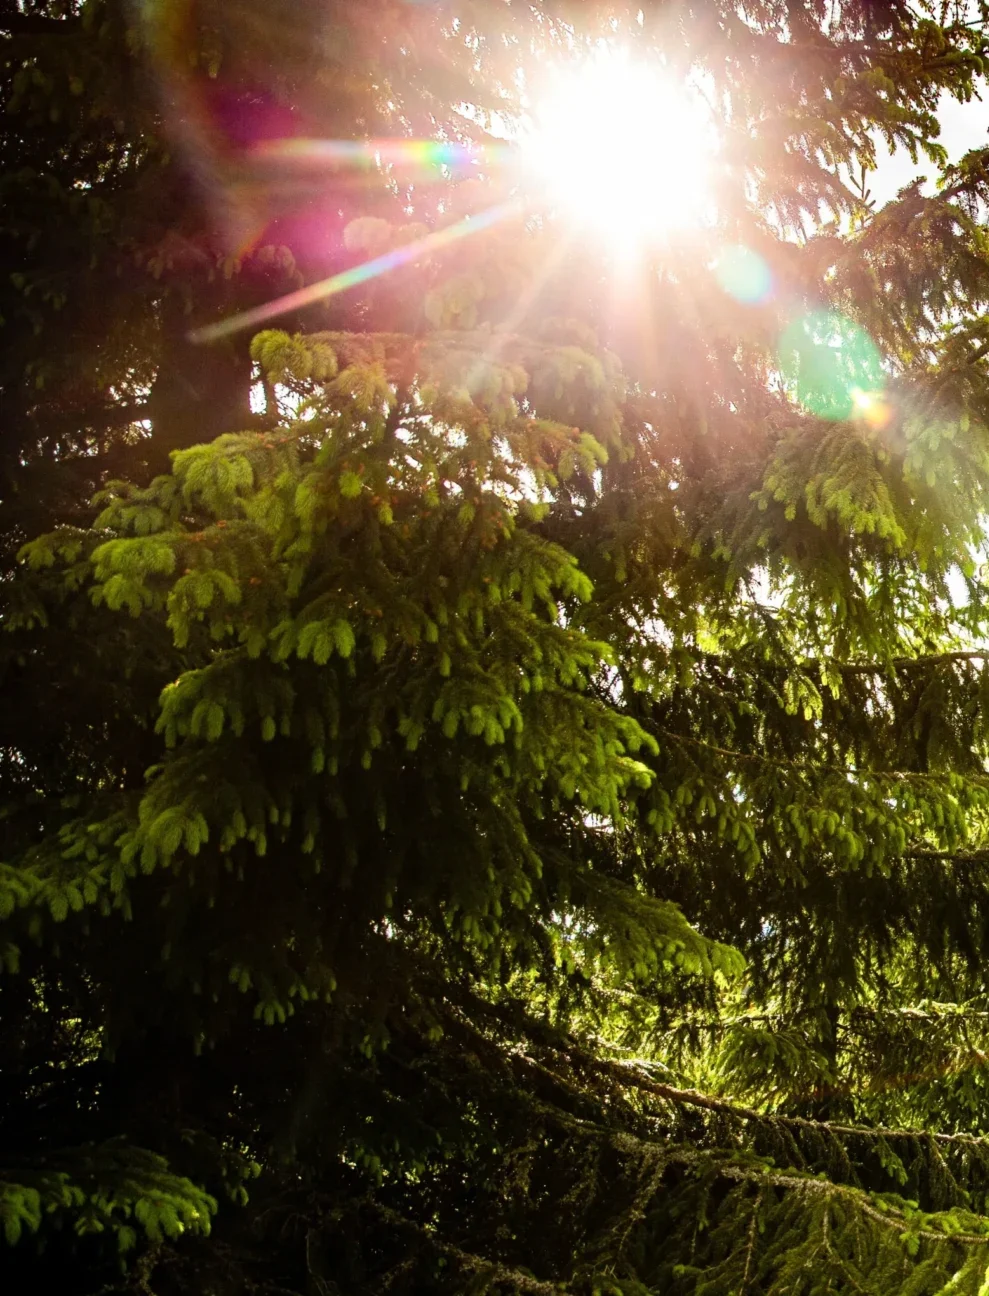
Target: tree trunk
{"type": "Point", "coordinates": [202, 390]}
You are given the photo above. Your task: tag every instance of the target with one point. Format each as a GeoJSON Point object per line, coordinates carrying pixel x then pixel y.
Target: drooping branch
{"type": "Point", "coordinates": [492, 1269]}
{"type": "Point", "coordinates": [890, 1217]}
{"type": "Point", "coordinates": [691, 1097]}
{"type": "Point", "coordinates": [848, 771]}
{"type": "Point", "coordinates": [631, 1075]}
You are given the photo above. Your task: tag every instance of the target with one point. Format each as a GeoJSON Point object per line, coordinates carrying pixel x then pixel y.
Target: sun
{"type": "Point", "coordinates": [618, 147]}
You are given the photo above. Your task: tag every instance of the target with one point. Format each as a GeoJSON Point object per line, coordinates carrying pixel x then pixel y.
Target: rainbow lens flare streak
{"type": "Point", "coordinates": [421, 154]}
{"type": "Point", "coordinates": [351, 278]}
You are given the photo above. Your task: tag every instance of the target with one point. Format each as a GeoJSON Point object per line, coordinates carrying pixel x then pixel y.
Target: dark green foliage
{"type": "Point", "coordinates": [512, 815]}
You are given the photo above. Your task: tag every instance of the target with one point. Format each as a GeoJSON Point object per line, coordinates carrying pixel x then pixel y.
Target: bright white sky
{"type": "Point", "coordinates": [964, 126]}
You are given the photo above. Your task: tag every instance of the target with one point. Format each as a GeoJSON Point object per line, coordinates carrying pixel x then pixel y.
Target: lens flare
{"type": "Point", "coordinates": [872, 408]}
{"type": "Point", "coordinates": [424, 157]}
{"type": "Point", "coordinates": [351, 278]}
{"type": "Point", "coordinates": [744, 275]}
{"type": "Point", "coordinates": [830, 365]}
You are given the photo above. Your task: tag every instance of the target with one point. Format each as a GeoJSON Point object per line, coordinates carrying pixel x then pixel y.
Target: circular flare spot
{"type": "Point", "coordinates": [744, 275]}
{"type": "Point", "coordinates": [830, 364]}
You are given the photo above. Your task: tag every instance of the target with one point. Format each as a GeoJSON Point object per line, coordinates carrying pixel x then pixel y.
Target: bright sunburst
{"type": "Point", "coordinates": [619, 147]}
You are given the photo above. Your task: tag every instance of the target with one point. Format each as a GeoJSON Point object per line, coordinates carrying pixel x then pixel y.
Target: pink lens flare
{"type": "Point", "coordinates": [356, 275]}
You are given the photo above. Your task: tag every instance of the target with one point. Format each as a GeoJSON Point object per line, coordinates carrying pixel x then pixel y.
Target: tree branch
{"type": "Point", "coordinates": [926, 660]}
{"type": "Point", "coordinates": [691, 1097]}
{"type": "Point", "coordinates": [13, 22]}
{"type": "Point", "coordinates": [497, 1272]}
{"type": "Point", "coordinates": [891, 1218]}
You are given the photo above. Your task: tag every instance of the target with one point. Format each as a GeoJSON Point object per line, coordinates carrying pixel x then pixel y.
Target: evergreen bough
{"type": "Point", "coordinates": [512, 817]}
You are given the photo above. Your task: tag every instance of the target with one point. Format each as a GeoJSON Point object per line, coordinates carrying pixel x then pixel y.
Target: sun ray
{"type": "Point", "coordinates": [520, 309]}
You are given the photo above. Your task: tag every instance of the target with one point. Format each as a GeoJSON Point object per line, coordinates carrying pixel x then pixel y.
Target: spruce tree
{"type": "Point", "coordinates": [511, 816]}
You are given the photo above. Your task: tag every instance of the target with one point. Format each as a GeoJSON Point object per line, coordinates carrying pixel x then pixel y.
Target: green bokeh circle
{"type": "Point", "coordinates": [826, 360]}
